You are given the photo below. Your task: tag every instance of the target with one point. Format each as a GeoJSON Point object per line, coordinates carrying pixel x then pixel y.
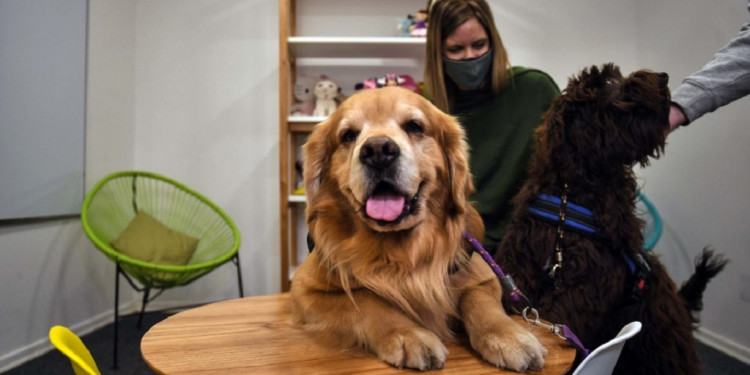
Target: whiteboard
{"type": "Point", "coordinates": [42, 107]}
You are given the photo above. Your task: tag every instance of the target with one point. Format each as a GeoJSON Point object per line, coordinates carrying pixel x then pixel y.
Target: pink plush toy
{"type": "Point", "coordinates": [404, 80]}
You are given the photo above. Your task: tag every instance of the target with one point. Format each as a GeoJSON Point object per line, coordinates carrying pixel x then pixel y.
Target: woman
{"type": "Point", "coordinates": [467, 74]}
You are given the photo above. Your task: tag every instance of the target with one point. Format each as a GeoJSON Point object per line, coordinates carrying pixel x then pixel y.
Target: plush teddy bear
{"type": "Point", "coordinates": [304, 96]}
{"type": "Point", "coordinates": [326, 93]}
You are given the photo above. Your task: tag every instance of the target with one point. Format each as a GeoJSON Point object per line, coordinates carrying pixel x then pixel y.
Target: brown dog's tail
{"type": "Point", "coordinates": [707, 265]}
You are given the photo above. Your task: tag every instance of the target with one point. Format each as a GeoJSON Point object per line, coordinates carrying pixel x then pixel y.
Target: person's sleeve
{"type": "Point", "coordinates": [721, 81]}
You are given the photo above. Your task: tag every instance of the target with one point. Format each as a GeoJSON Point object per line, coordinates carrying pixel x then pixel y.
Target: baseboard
{"type": "Point", "coordinates": [42, 346]}
{"type": "Point", "coordinates": [724, 345]}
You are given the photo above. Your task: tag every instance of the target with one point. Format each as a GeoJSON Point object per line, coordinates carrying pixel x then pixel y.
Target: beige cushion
{"type": "Point", "coordinates": [149, 240]}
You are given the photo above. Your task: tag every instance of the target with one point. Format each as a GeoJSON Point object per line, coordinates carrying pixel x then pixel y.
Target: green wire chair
{"type": "Point", "coordinates": [113, 203]}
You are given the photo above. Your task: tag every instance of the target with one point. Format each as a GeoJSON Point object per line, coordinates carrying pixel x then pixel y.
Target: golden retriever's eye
{"type": "Point", "coordinates": [349, 136]}
{"type": "Point", "coordinates": [413, 127]}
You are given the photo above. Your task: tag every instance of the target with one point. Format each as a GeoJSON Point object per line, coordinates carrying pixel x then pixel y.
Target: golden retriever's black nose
{"type": "Point", "coordinates": [379, 152]}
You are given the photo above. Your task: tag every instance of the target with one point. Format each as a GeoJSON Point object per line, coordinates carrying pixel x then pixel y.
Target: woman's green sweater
{"type": "Point", "coordinates": [499, 131]}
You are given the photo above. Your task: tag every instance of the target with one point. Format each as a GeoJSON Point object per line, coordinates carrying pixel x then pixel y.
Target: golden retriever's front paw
{"type": "Point", "coordinates": [518, 350]}
{"type": "Point", "coordinates": [417, 349]}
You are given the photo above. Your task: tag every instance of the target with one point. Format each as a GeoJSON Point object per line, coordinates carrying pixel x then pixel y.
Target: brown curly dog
{"type": "Point", "coordinates": [575, 244]}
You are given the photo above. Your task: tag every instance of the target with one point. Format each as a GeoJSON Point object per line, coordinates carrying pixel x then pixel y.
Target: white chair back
{"type": "Point", "coordinates": [603, 359]}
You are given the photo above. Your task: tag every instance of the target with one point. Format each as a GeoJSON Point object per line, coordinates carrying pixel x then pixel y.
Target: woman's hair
{"type": "Point", "coordinates": [445, 16]}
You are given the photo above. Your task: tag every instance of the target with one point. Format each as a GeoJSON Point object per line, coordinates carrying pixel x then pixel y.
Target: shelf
{"type": "Point", "coordinates": [294, 198]}
{"type": "Point", "coordinates": [303, 124]}
{"type": "Point", "coordinates": [356, 47]}
{"type": "Point", "coordinates": [306, 119]}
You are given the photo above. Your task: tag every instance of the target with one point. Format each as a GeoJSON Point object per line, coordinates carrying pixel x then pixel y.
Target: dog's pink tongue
{"type": "Point", "coordinates": [385, 207]}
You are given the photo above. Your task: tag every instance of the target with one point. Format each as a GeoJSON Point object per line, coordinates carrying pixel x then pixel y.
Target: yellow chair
{"type": "Point", "coordinates": [70, 344]}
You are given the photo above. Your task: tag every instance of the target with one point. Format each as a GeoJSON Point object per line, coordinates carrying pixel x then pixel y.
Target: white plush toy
{"type": "Point", "coordinates": [326, 92]}
{"type": "Point", "coordinates": [303, 94]}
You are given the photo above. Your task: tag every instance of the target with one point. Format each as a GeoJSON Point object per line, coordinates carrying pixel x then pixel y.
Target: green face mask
{"type": "Point", "coordinates": [469, 74]}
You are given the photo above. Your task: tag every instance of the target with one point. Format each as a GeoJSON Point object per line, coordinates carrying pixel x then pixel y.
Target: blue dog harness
{"type": "Point", "coordinates": [577, 218]}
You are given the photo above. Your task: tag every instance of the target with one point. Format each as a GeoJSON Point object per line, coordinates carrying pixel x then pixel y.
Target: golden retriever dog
{"type": "Point", "coordinates": [387, 184]}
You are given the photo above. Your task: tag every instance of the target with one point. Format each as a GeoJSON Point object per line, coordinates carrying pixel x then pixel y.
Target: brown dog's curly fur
{"type": "Point", "coordinates": [594, 133]}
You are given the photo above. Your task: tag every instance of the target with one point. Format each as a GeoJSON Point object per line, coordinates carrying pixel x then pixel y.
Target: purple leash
{"type": "Point", "coordinates": [561, 330]}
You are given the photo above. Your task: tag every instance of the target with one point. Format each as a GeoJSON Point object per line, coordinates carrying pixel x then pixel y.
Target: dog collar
{"type": "Point", "coordinates": [566, 215]}
{"type": "Point", "coordinates": [547, 207]}
{"type": "Point", "coordinates": [580, 219]}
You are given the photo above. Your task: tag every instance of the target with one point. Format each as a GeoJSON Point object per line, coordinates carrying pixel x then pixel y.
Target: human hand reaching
{"type": "Point", "coordinates": [676, 117]}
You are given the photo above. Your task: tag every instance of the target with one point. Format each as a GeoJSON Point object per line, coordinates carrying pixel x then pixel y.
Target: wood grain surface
{"type": "Point", "coordinates": [254, 335]}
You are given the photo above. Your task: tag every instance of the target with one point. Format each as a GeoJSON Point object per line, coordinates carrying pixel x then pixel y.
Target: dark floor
{"type": "Point", "coordinates": [718, 363]}
{"type": "Point", "coordinates": [99, 343]}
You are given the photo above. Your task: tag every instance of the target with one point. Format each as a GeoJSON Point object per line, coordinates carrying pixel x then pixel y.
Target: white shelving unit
{"type": "Point", "coordinates": [349, 41]}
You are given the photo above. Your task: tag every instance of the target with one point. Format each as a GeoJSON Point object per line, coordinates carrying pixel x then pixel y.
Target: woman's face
{"type": "Point", "coordinates": [468, 41]}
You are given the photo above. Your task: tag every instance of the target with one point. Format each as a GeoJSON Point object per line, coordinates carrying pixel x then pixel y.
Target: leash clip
{"type": "Point", "coordinates": [535, 321]}
{"type": "Point", "coordinates": [560, 330]}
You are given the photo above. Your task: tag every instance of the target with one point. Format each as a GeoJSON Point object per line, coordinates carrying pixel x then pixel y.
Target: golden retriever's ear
{"type": "Point", "coordinates": [316, 154]}
{"type": "Point", "coordinates": [456, 152]}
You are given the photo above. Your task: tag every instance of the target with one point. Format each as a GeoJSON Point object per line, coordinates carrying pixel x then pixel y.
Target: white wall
{"type": "Point", "coordinates": [700, 186]}
{"type": "Point", "coordinates": [189, 89]}
{"type": "Point", "coordinates": [563, 37]}
{"type": "Point", "coordinates": [206, 78]}
{"type": "Point", "coordinates": [49, 272]}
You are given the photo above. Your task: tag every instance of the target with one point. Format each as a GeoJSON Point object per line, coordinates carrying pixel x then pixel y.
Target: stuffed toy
{"type": "Point", "coordinates": [304, 96]}
{"type": "Point", "coordinates": [404, 25]}
{"type": "Point", "coordinates": [326, 93]}
{"type": "Point", "coordinates": [418, 27]}
{"type": "Point", "coordinates": [402, 80]}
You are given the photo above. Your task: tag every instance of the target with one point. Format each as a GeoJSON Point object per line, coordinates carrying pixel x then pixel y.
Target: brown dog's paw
{"type": "Point", "coordinates": [417, 349]}
{"type": "Point", "coordinates": [516, 350]}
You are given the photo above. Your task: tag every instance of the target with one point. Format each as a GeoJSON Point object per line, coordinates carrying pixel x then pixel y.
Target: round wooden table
{"type": "Point", "coordinates": [254, 335]}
